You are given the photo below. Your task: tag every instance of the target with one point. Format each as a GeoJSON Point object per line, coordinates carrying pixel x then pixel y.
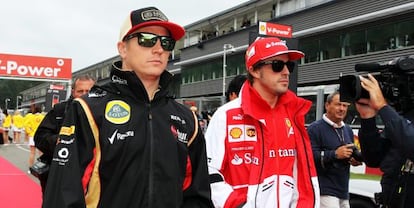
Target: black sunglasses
{"type": "Point", "coordinates": [149, 40]}
{"type": "Point", "coordinates": [277, 65]}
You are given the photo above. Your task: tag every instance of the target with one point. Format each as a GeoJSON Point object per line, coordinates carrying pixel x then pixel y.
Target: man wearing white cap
{"type": "Point", "coordinates": [129, 143]}
{"type": "Point", "coordinates": [258, 149]}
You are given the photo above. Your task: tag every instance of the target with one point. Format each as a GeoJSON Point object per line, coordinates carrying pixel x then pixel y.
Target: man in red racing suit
{"type": "Point", "coordinates": [258, 149]}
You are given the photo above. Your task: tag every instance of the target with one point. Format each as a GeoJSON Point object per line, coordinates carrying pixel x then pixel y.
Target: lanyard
{"type": "Point", "coordinates": [340, 134]}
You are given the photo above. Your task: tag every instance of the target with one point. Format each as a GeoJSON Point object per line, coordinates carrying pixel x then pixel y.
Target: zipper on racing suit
{"type": "Point", "coordinates": [151, 168]}
{"type": "Point", "coordinates": [262, 166]}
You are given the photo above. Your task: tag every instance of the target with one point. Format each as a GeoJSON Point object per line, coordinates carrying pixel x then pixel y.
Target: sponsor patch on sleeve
{"type": "Point", "coordinates": [67, 130]}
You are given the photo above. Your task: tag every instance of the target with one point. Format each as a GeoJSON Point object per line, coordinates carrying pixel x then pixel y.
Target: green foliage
{"type": "Point", "coordinates": [365, 176]}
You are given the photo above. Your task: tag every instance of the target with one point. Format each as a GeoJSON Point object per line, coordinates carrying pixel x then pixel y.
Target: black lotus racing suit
{"type": "Point", "coordinates": [119, 149]}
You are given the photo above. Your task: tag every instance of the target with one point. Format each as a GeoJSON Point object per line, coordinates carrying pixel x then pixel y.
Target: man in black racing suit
{"type": "Point", "coordinates": [128, 143]}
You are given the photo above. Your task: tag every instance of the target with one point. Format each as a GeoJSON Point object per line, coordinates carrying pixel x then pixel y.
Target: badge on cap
{"type": "Point", "coordinates": [153, 14]}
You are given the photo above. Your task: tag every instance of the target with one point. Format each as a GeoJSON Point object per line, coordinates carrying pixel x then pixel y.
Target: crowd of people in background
{"type": "Point", "coordinates": [14, 125]}
{"type": "Point", "coordinates": [18, 128]}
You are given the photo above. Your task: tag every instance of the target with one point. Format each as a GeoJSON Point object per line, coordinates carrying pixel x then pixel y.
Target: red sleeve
{"type": "Point", "coordinates": [236, 198]}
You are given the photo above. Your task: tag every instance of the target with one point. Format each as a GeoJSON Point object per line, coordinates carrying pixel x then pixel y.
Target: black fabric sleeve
{"type": "Point", "coordinates": [48, 131]}
{"type": "Point", "coordinates": [73, 153]}
{"type": "Point", "coordinates": [373, 145]}
{"type": "Point", "coordinates": [399, 130]}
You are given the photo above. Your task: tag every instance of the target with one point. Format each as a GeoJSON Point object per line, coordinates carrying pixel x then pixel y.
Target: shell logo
{"type": "Point", "coordinates": [262, 27]}
{"type": "Point", "coordinates": [236, 133]}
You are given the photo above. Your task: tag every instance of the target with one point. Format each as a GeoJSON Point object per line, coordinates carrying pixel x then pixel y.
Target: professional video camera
{"type": "Point", "coordinates": [396, 79]}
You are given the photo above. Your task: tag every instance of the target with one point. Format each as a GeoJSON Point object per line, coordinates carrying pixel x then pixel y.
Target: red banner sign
{"type": "Point", "coordinates": [56, 87]}
{"type": "Point", "coordinates": [35, 67]}
{"type": "Point", "coordinates": [272, 29]}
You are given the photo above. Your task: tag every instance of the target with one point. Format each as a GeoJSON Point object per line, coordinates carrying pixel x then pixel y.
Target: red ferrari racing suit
{"type": "Point", "coordinates": [260, 156]}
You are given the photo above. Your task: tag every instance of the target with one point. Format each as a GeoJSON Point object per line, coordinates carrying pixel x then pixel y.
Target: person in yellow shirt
{"type": "Point", "coordinates": [17, 126]}
{"type": "Point", "coordinates": [6, 127]}
{"type": "Point", "coordinates": [32, 125]}
{"type": "Point", "coordinates": [26, 120]}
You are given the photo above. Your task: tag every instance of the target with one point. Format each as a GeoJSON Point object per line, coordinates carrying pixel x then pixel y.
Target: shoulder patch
{"type": "Point", "coordinates": [117, 112]}
{"type": "Point", "coordinates": [97, 92]}
{"type": "Point", "coordinates": [67, 130]}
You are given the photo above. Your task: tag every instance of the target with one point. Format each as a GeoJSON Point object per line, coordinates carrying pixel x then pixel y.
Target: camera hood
{"type": "Point", "coordinates": [350, 89]}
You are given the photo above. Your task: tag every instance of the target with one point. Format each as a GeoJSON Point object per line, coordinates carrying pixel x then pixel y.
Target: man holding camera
{"type": "Point", "coordinates": [333, 152]}
{"type": "Point", "coordinates": [392, 151]}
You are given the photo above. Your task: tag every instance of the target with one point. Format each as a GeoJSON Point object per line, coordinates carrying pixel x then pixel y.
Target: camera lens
{"type": "Point", "coordinates": [350, 89]}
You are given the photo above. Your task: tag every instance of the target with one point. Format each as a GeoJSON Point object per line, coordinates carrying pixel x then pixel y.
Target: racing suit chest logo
{"type": "Point", "coordinates": [117, 112]}
{"type": "Point", "coordinates": [178, 128]}
{"type": "Point", "coordinates": [240, 128]}
{"type": "Point", "coordinates": [236, 132]}
{"type": "Point", "coordinates": [251, 132]}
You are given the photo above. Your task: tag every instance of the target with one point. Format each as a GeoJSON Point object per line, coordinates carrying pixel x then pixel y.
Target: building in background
{"type": "Point", "coordinates": [335, 35]}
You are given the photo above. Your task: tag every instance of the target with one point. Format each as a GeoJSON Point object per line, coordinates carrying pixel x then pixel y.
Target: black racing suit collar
{"type": "Point", "coordinates": [122, 79]}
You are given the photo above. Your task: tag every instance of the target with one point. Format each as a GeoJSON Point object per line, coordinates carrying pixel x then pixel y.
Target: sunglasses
{"type": "Point", "coordinates": [277, 65]}
{"type": "Point", "coordinates": [148, 40]}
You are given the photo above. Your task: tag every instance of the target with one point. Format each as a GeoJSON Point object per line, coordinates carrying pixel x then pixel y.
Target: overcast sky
{"type": "Point", "coordinates": [84, 30]}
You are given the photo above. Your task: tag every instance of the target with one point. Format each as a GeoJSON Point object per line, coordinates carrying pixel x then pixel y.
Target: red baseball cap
{"type": "Point", "coordinates": [266, 47]}
{"type": "Point", "coordinates": [147, 17]}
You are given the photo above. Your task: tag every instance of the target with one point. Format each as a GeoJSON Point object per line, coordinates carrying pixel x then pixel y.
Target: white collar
{"type": "Point", "coordinates": [333, 124]}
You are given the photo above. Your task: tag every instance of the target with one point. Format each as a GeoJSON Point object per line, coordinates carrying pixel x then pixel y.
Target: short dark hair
{"type": "Point", "coordinates": [82, 77]}
{"type": "Point", "coordinates": [235, 85]}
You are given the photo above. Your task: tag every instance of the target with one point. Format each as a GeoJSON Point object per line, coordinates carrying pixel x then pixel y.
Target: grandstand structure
{"type": "Point", "coordinates": [334, 34]}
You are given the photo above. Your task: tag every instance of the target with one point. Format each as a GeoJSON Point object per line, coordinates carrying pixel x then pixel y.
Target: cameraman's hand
{"type": "Point", "coordinates": [364, 110]}
{"type": "Point", "coordinates": [376, 98]}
